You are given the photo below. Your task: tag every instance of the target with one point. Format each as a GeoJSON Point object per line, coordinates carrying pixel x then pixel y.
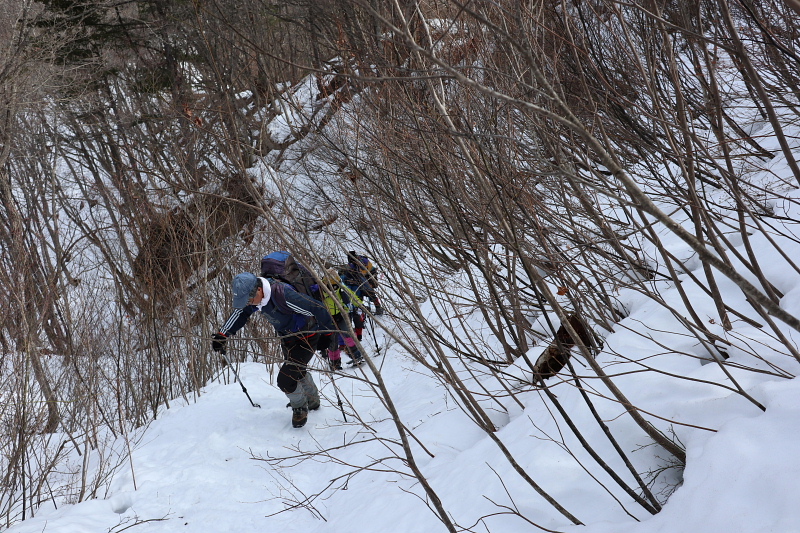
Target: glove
{"type": "Point", "coordinates": [218, 344]}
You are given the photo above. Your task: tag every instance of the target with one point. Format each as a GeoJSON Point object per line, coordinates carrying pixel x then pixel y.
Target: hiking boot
{"type": "Point", "coordinates": [378, 311]}
{"type": "Point", "coordinates": [313, 405]}
{"type": "Point", "coordinates": [299, 416]}
{"type": "Point", "coordinates": [336, 364]}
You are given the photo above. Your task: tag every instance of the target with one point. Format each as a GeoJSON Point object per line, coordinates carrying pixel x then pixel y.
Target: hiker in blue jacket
{"type": "Point", "coordinates": [303, 325]}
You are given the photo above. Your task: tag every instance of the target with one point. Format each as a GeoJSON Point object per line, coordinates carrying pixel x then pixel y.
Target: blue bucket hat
{"type": "Point", "coordinates": [244, 287]}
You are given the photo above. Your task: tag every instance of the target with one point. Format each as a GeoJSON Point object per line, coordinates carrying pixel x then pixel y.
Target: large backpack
{"type": "Point", "coordinates": [361, 269]}
{"type": "Point", "coordinates": [284, 267]}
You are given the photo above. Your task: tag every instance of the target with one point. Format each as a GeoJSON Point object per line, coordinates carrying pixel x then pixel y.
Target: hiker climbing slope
{"type": "Point", "coordinates": [303, 324]}
{"type": "Point", "coordinates": [340, 301]}
{"type": "Point", "coordinates": [361, 276]}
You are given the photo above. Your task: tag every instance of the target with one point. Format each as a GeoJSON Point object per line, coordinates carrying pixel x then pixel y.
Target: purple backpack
{"type": "Point", "coordinates": [282, 266]}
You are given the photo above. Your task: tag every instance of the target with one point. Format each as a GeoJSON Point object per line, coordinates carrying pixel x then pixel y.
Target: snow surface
{"type": "Point", "coordinates": [205, 466]}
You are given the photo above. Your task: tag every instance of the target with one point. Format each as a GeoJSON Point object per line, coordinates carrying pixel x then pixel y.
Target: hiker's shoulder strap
{"type": "Point", "coordinates": [278, 295]}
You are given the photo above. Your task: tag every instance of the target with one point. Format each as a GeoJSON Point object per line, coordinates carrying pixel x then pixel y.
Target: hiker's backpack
{"type": "Point", "coordinates": [351, 278]}
{"type": "Point", "coordinates": [284, 267]}
{"type": "Point", "coordinates": [361, 266]}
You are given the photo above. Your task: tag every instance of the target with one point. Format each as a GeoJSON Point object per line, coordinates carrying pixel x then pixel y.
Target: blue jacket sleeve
{"type": "Point", "coordinates": [306, 305]}
{"type": "Point", "coordinates": [237, 320]}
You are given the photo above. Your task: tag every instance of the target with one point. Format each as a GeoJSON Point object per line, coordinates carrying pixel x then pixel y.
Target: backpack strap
{"type": "Point", "coordinates": [278, 296]}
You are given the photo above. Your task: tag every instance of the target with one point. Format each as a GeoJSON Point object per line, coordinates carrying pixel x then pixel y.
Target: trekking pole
{"type": "Point", "coordinates": [224, 356]}
{"type": "Point", "coordinates": [374, 338]}
{"type": "Point", "coordinates": [338, 399]}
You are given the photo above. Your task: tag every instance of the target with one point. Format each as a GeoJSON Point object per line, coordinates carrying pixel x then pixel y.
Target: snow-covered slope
{"type": "Point", "coordinates": [218, 464]}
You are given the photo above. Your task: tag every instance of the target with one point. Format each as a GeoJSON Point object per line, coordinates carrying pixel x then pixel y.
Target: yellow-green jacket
{"type": "Point", "coordinates": [346, 297]}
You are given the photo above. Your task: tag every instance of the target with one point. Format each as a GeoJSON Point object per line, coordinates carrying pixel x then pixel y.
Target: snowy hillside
{"type": "Point", "coordinates": [218, 464]}
{"type": "Point", "coordinates": [587, 222]}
